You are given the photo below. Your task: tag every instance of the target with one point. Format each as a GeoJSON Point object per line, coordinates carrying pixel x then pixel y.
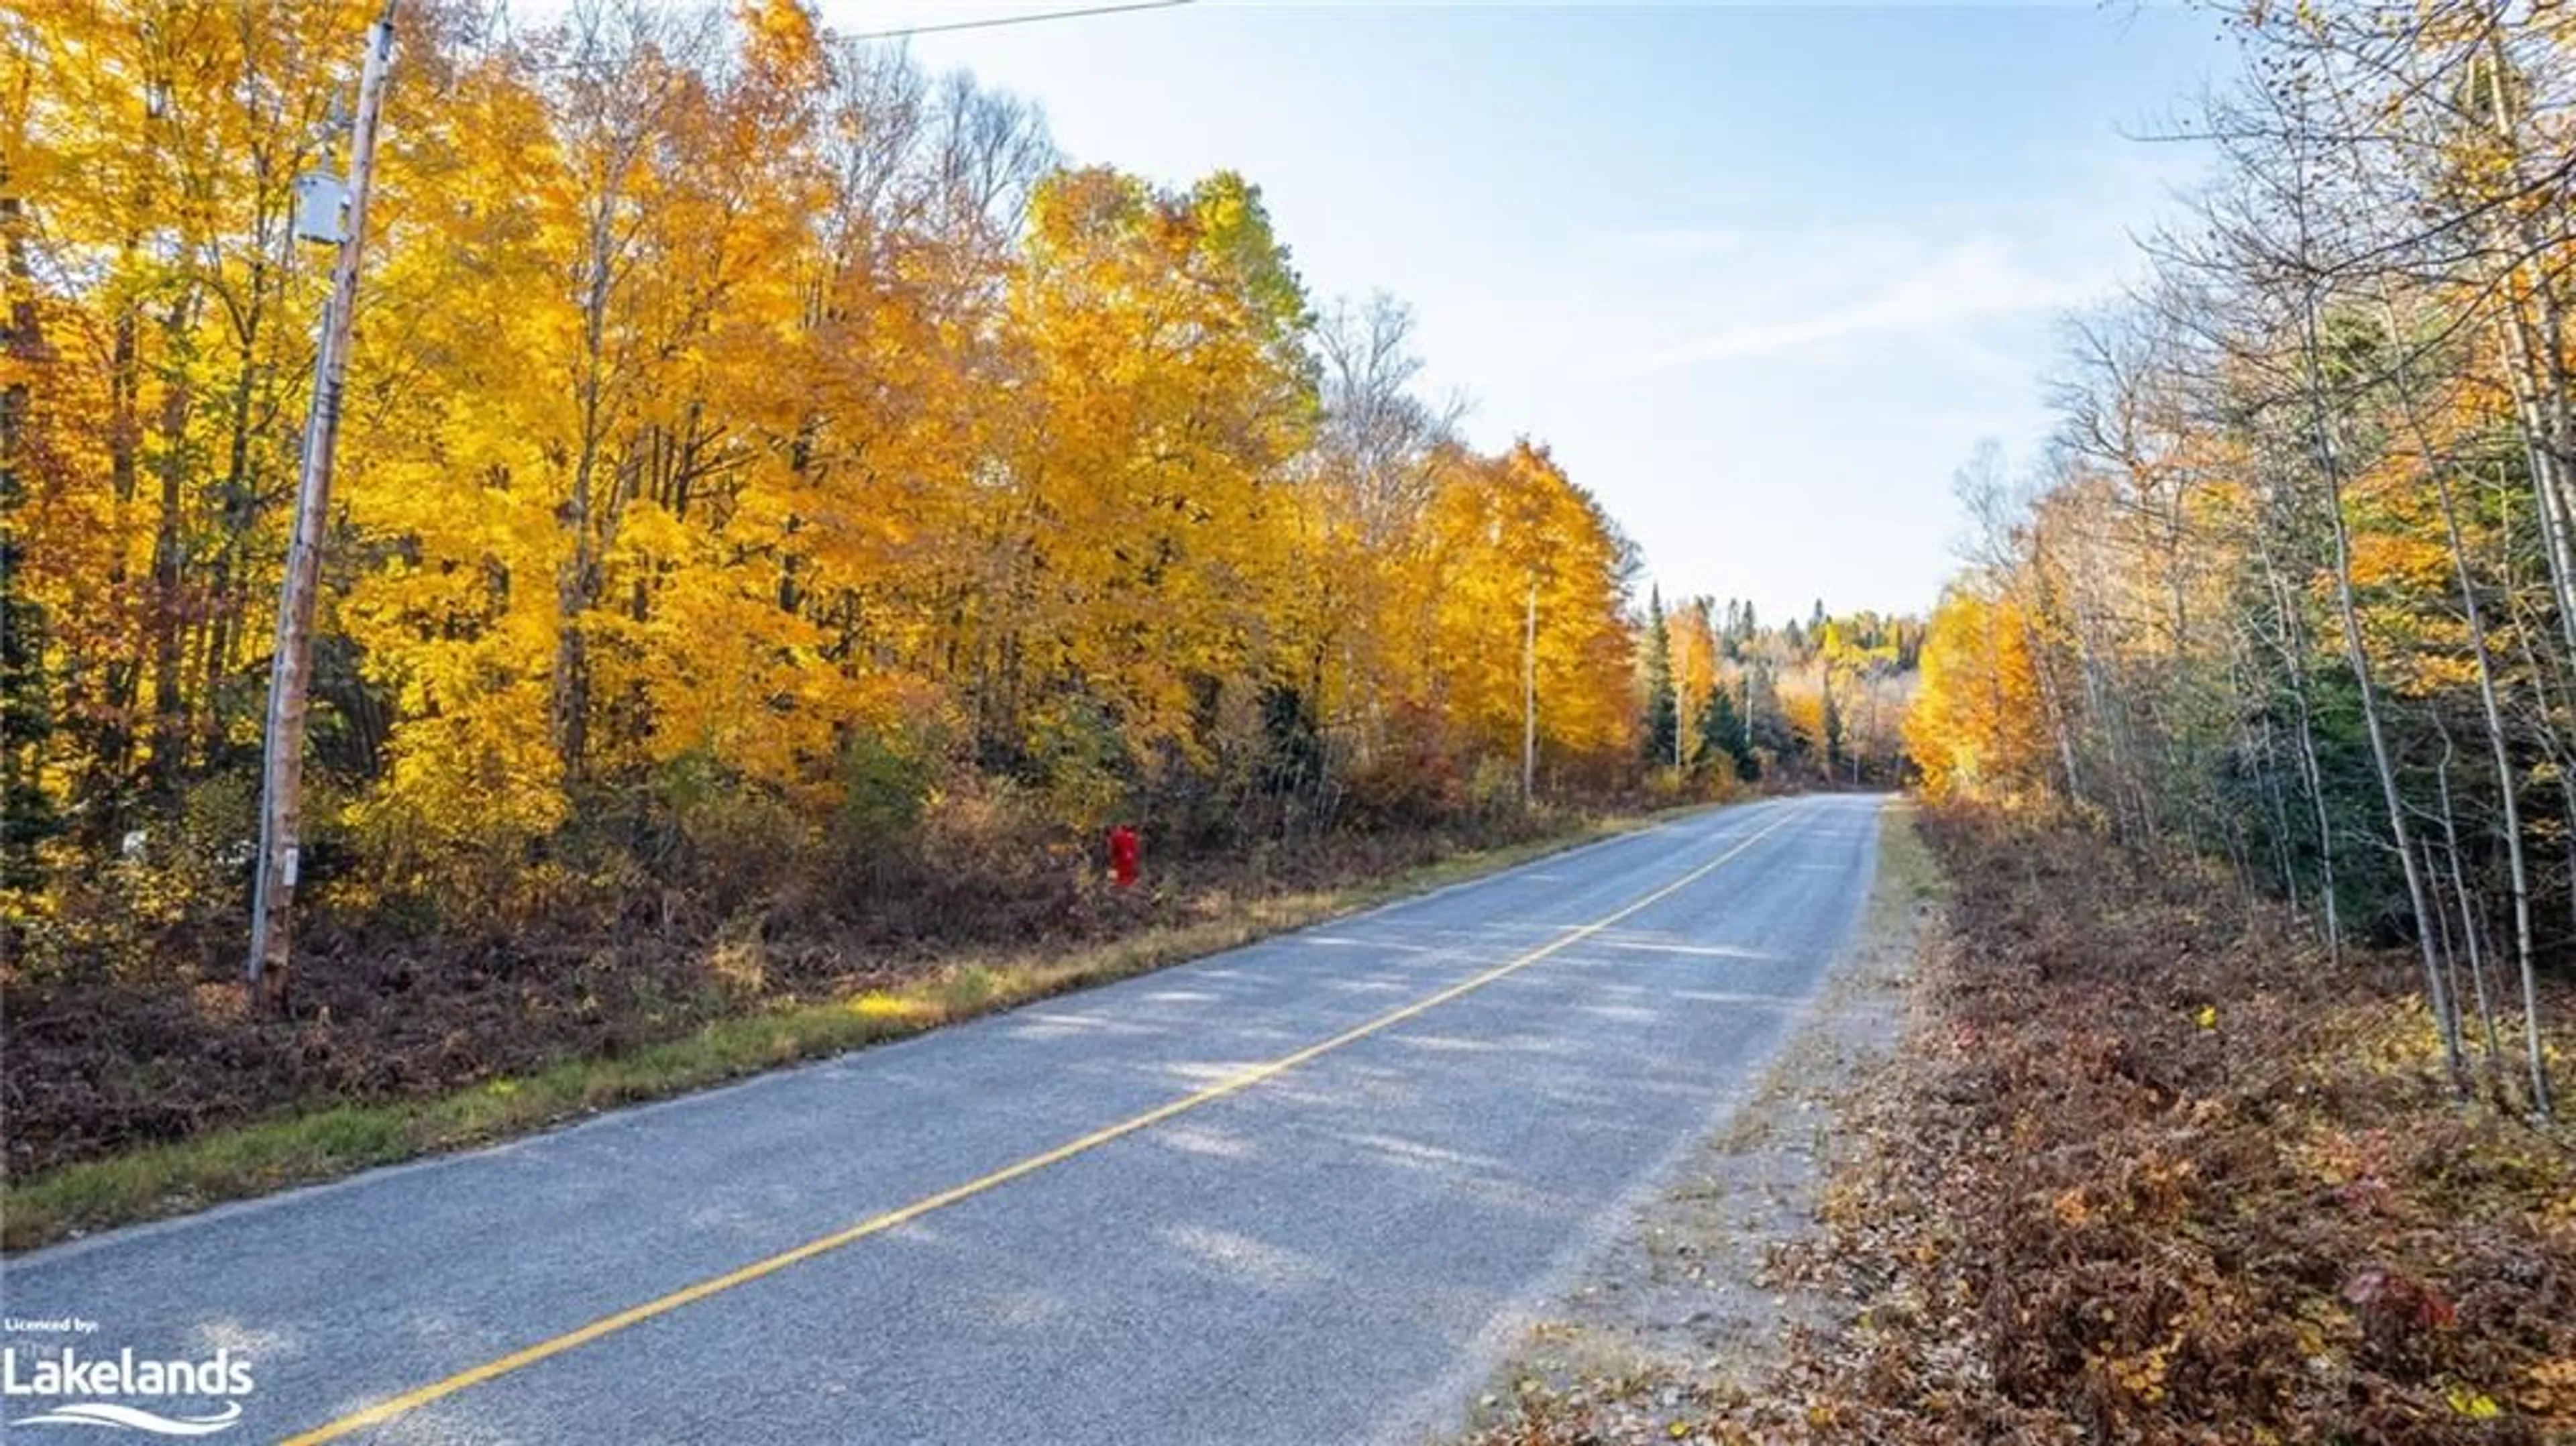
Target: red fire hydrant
{"type": "Point", "coordinates": [1124, 850]}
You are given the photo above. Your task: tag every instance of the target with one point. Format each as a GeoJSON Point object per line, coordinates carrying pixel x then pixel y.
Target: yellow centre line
{"type": "Point", "coordinates": [384, 1411]}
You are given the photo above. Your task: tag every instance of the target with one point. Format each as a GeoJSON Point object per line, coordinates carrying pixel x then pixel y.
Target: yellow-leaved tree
{"type": "Point", "coordinates": [1975, 729]}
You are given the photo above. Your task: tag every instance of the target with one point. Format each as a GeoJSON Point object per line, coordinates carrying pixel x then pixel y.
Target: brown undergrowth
{"type": "Point", "coordinates": [2152, 1170]}
{"type": "Point", "coordinates": [2149, 1168]}
{"type": "Point", "coordinates": [145, 1101]}
{"type": "Point", "coordinates": [116, 1058]}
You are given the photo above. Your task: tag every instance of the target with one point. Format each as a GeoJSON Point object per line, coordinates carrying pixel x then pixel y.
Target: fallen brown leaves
{"type": "Point", "coordinates": [128, 1055]}
{"type": "Point", "coordinates": [2154, 1172]}
{"type": "Point", "coordinates": [2151, 1171]}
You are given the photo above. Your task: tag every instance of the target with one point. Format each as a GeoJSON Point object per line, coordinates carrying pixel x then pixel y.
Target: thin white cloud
{"type": "Point", "coordinates": [1974, 281]}
{"type": "Point", "coordinates": [1672, 243]}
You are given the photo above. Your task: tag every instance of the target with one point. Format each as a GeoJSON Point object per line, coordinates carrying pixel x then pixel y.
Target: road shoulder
{"type": "Point", "coordinates": [1680, 1313]}
{"type": "Point", "coordinates": [312, 1146]}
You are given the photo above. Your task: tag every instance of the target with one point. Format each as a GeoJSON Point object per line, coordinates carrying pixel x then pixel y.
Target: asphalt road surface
{"type": "Point", "coordinates": [1303, 1192]}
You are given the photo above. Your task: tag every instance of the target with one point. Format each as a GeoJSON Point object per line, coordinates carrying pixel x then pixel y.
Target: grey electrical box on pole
{"type": "Point", "coordinates": [321, 208]}
{"type": "Point", "coordinates": [323, 212]}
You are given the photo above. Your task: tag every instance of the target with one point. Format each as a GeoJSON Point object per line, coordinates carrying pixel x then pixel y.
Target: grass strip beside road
{"type": "Point", "coordinates": [1232, 1084]}
{"type": "Point", "coordinates": [308, 1147]}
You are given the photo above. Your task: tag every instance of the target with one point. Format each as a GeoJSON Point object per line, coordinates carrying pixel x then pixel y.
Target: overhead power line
{"type": "Point", "coordinates": [1029, 19]}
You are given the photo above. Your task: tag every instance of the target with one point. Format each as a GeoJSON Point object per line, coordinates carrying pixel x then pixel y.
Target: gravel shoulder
{"type": "Point", "coordinates": [1683, 1312]}
{"type": "Point", "coordinates": [1276, 1196]}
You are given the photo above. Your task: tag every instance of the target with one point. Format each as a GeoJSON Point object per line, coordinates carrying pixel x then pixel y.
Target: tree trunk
{"type": "Point", "coordinates": [2508, 788]}
{"type": "Point", "coordinates": [2357, 656]}
{"type": "Point", "coordinates": [2312, 773]}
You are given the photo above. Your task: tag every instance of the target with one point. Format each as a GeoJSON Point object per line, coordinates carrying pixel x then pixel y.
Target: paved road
{"type": "Point", "coordinates": [1296, 1193]}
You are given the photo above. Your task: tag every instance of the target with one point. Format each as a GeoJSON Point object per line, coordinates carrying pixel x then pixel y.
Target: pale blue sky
{"type": "Point", "coordinates": [1761, 276]}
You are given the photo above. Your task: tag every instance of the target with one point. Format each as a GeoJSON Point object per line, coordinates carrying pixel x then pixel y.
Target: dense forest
{"type": "Point", "coordinates": [2295, 584]}
{"type": "Point", "coordinates": [751, 440]}
{"type": "Point", "coordinates": [784, 510]}
{"type": "Point", "coordinates": [1819, 701]}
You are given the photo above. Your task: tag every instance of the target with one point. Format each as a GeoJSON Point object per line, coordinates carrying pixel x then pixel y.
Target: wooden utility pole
{"type": "Point", "coordinates": [1529, 700]}
{"type": "Point", "coordinates": [290, 674]}
{"type": "Point", "coordinates": [1747, 724]}
{"type": "Point", "coordinates": [1678, 724]}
